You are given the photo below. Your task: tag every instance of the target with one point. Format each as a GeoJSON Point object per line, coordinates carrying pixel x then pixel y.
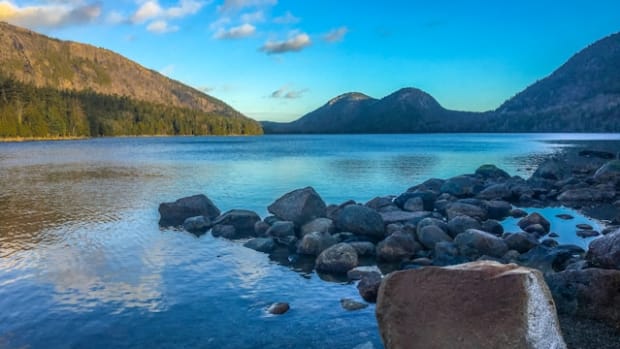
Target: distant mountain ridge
{"type": "Point", "coordinates": [29, 59]}
{"type": "Point", "coordinates": [583, 95]}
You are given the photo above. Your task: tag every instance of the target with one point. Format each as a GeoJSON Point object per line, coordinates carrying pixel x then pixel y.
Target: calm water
{"type": "Point", "coordinates": [83, 263]}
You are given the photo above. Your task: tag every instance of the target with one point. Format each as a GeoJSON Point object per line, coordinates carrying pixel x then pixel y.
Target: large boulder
{"type": "Point", "coordinates": [591, 293]}
{"type": "Point", "coordinates": [460, 224]}
{"type": "Point", "coordinates": [550, 259]}
{"type": "Point", "coordinates": [430, 235]}
{"type": "Point", "coordinates": [403, 216]}
{"type": "Point", "coordinates": [427, 198]}
{"type": "Point", "coordinates": [197, 225]}
{"type": "Point", "coordinates": [587, 195]}
{"type": "Point", "coordinates": [489, 171]}
{"type": "Point", "coordinates": [314, 243]}
{"type": "Point", "coordinates": [474, 243]}
{"type": "Point", "coordinates": [396, 247]}
{"type": "Point", "coordinates": [368, 287]}
{"type": "Point", "coordinates": [361, 220]}
{"type": "Point", "coordinates": [462, 186]}
{"type": "Point", "coordinates": [337, 259]}
{"type": "Point", "coordinates": [475, 305]}
{"type": "Point", "coordinates": [604, 252]}
{"type": "Point", "coordinates": [264, 245]}
{"type": "Point", "coordinates": [242, 220]}
{"type": "Point", "coordinates": [466, 209]}
{"type": "Point", "coordinates": [521, 242]}
{"type": "Point", "coordinates": [281, 229]}
{"type": "Point", "coordinates": [553, 170]}
{"type": "Point", "coordinates": [496, 192]}
{"type": "Point", "coordinates": [175, 213]}
{"type": "Point", "coordinates": [321, 225]}
{"type": "Point", "coordinates": [532, 219]}
{"type": "Point", "coordinates": [299, 206]}
{"type": "Point", "coordinates": [498, 209]}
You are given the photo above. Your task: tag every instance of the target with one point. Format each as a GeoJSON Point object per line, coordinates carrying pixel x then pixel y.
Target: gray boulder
{"type": "Point", "coordinates": [589, 194]}
{"type": "Point", "coordinates": [497, 209]}
{"type": "Point", "coordinates": [281, 229]}
{"type": "Point", "coordinates": [175, 213]}
{"type": "Point", "coordinates": [299, 206]}
{"type": "Point", "coordinates": [358, 273]}
{"type": "Point", "coordinates": [361, 220]}
{"type": "Point", "coordinates": [553, 170]}
{"type": "Point", "coordinates": [428, 198]}
{"type": "Point", "coordinates": [225, 231]}
{"type": "Point", "coordinates": [496, 192]}
{"type": "Point", "coordinates": [337, 259]}
{"type": "Point", "coordinates": [475, 243]}
{"type": "Point", "coordinates": [430, 235]}
{"type": "Point", "coordinates": [490, 171]}
{"type": "Point", "coordinates": [535, 218]}
{"type": "Point", "coordinates": [521, 242]}
{"type": "Point", "coordinates": [432, 221]}
{"type": "Point", "coordinates": [462, 186]}
{"type": "Point", "coordinates": [604, 252]}
{"type": "Point", "coordinates": [492, 226]}
{"type": "Point", "coordinates": [197, 225]}
{"type": "Point", "coordinates": [397, 247]}
{"type": "Point", "coordinates": [264, 245]}
{"type": "Point", "coordinates": [321, 225]}
{"type": "Point", "coordinates": [242, 220]}
{"type": "Point", "coordinates": [368, 287]}
{"type": "Point", "coordinates": [466, 209]}
{"type": "Point", "coordinates": [364, 248]}
{"type": "Point", "coordinates": [403, 216]}
{"type": "Point", "coordinates": [314, 243]}
{"type": "Point", "coordinates": [460, 224]}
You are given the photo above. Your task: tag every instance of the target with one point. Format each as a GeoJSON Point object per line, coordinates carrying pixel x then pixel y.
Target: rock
{"type": "Point", "coordinates": [242, 220]}
{"type": "Point", "coordinates": [564, 216]}
{"type": "Point", "coordinates": [492, 226]}
{"type": "Point", "coordinates": [414, 205]}
{"type": "Point", "coordinates": [337, 259]}
{"type": "Point", "coordinates": [198, 224]}
{"type": "Point", "coordinates": [489, 171]}
{"type": "Point", "coordinates": [584, 226]}
{"type": "Point", "coordinates": [382, 204]}
{"type": "Point", "coordinates": [474, 243]}
{"type": "Point", "coordinates": [604, 252]}
{"type": "Point", "coordinates": [610, 229]}
{"type": "Point", "coordinates": [517, 213]}
{"type": "Point", "coordinates": [462, 186]}
{"type": "Point", "coordinates": [281, 229]}
{"type": "Point", "coordinates": [319, 225]}
{"type": "Point", "coordinates": [361, 220]}
{"type": "Point", "coordinates": [591, 293]}
{"type": "Point", "coordinates": [260, 228]}
{"type": "Point", "coordinates": [549, 260]}
{"type": "Point", "coordinates": [430, 235]}
{"type": "Point", "coordinates": [535, 218]}
{"type": "Point", "coordinates": [368, 287]}
{"type": "Point", "coordinates": [314, 243]}
{"type": "Point", "coordinates": [511, 256]}
{"type": "Point", "coordinates": [403, 216]}
{"type": "Point", "coordinates": [554, 235]}
{"type": "Point", "coordinates": [459, 307]}
{"type": "Point", "coordinates": [608, 172]}
{"type": "Point", "coordinates": [550, 243]}
{"type": "Point", "coordinates": [432, 221]}
{"type": "Point", "coordinates": [358, 273]}
{"type": "Point", "coordinates": [345, 237]}
{"type": "Point", "coordinates": [299, 206]}
{"type": "Point", "coordinates": [587, 195]}
{"type": "Point", "coordinates": [225, 231]}
{"type": "Point", "coordinates": [397, 247]}
{"type": "Point", "coordinates": [363, 248]}
{"type": "Point", "coordinates": [446, 253]}
{"type": "Point", "coordinates": [351, 305]}
{"type": "Point", "coordinates": [278, 308]}
{"type": "Point", "coordinates": [289, 241]}
{"type": "Point", "coordinates": [536, 229]}
{"type": "Point", "coordinates": [464, 209]}
{"type": "Point", "coordinates": [587, 233]}
{"type": "Point", "coordinates": [432, 184]}
{"type": "Point", "coordinates": [175, 213]}
{"type": "Point", "coordinates": [460, 224]}
{"type": "Point", "coordinates": [499, 191]}
{"type": "Point", "coordinates": [428, 198]}
{"type": "Point", "coordinates": [497, 209]}
{"type": "Point", "coordinates": [553, 170]}
{"type": "Point", "coordinates": [264, 245]}
{"type": "Point", "coordinates": [271, 220]}
{"type": "Point", "coordinates": [521, 242]}
{"type": "Point", "coordinates": [597, 154]}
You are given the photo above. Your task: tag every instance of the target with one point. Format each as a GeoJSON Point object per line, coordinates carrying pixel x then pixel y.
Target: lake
{"type": "Point", "coordinates": [84, 264]}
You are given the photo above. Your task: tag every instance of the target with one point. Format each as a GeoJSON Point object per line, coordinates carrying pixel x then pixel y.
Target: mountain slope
{"type": "Point", "coordinates": [40, 62]}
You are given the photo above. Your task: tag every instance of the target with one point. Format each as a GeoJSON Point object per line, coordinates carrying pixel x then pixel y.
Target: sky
{"type": "Point", "coordinates": [280, 59]}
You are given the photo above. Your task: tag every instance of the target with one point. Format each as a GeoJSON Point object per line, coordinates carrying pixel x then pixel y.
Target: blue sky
{"type": "Point", "coordinates": [279, 59]}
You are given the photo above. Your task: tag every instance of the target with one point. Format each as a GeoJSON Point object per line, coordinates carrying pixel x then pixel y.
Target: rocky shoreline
{"type": "Point", "coordinates": [443, 222]}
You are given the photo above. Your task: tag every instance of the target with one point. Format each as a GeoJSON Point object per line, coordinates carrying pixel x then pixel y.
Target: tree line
{"type": "Point", "coordinates": [43, 112]}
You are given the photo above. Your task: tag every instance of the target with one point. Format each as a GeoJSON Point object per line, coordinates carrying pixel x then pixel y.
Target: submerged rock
{"type": "Point", "coordinates": [461, 307]}
{"type": "Point", "coordinates": [299, 206]}
{"type": "Point", "coordinates": [278, 308]}
{"type": "Point", "coordinates": [175, 213]}
{"type": "Point", "coordinates": [358, 273]}
{"type": "Point", "coordinates": [197, 225]}
{"type": "Point", "coordinates": [535, 218]}
{"type": "Point", "coordinates": [351, 305]}
{"type": "Point", "coordinates": [242, 220]}
{"type": "Point", "coordinates": [337, 259]}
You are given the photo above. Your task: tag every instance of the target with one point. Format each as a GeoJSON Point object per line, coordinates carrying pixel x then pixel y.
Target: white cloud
{"type": "Point", "coordinates": [295, 43]}
{"type": "Point", "coordinates": [287, 93]}
{"type": "Point", "coordinates": [253, 17]}
{"type": "Point", "coordinates": [161, 26]}
{"type": "Point", "coordinates": [238, 5]}
{"type": "Point", "coordinates": [287, 18]}
{"type": "Point", "coordinates": [336, 35]}
{"type": "Point", "coordinates": [49, 15]}
{"type": "Point", "coordinates": [153, 10]}
{"type": "Point", "coordinates": [239, 32]}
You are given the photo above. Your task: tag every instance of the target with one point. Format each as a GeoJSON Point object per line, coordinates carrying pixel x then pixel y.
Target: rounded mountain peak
{"type": "Point", "coordinates": [413, 97]}
{"type": "Point", "coordinates": [348, 97]}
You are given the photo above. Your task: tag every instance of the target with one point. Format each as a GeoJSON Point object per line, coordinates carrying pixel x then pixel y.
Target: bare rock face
{"type": "Point", "coordinates": [475, 305]}
{"type": "Point", "coordinates": [299, 206]}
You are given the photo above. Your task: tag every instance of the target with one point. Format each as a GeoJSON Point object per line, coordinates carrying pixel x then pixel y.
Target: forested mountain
{"type": "Point", "coordinates": [583, 95]}
{"type": "Point", "coordinates": [53, 88]}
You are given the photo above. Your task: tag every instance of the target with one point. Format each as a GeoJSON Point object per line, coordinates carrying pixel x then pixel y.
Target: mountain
{"type": "Point", "coordinates": [38, 64]}
{"type": "Point", "coordinates": [583, 95]}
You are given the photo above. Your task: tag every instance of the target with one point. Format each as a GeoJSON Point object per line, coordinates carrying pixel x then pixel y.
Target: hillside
{"type": "Point", "coordinates": [583, 95]}
{"type": "Point", "coordinates": [39, 64]}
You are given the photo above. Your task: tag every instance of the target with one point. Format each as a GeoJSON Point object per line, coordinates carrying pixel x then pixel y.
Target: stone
{"type": "Point", "coordinates": [382, 204]}
{"type": "Point", "coordinates": [604, 252]}
{"type": "Point", "coordinates": [299, 206]}
{"type": "Point", "coordinates": [361, 220]}
{"type": "Point", "coordinates": [397, 247]}
{"type": "Point", "coordinates": [368, 287]}
{"type": "Point", "coordinates": [584, 226]}
{"type": "Point", "coordinates": [553, 170]}
{"type": "Point", "coordinates": [414, 205]}
{"type": "Point", "coordinates": [358, 273]}
{"type": "Point", "coordinates": [314, 243]}
{"type": "Point", "coordinates": [587, 195]}
{"type": "Point", "coordinates": [225, 231]}
{"type": "Point", "coordinates": [281, 229]}
{"type": "Point", "coordinates": [242, 220]}
{"type": "Point", "coordinates": [432, 184]}
{"type": "Point", "coordinates": [585, 234]}
{"type": "Point", "coordinates": [337, 259]}
{"type": "Point", "coordinates": [364, 248]}
{"type": "Point", "coordinates": [499, 191]}
{"type": "Point", "coordinates": [175, 213]}
{"type": "Point", "coordinates": [489, 171]}
{"type": "Point", "coordinates": [521, 242]}
{"type": "Point", "coordinates": [403, 216]}
{"type": "Point", "coordinates": [590, 293]}
{"type": "Point", "coordinates": [278, 308]}
{"type": "Point", "coordinates": [447, 253]}
{"type": "Point", "coordinates": [260, 228]}
{"type": "Point", "coordinates": [464, 209]}
{"type": "Point", "coordinates": [198, 224]}
{"type": "Point", "coordinates": [351, 305]}
{"type": "Point", "coordinates": [474, 243]}
{"type": "Point", "coordinates": [265, 245]}
{"type": "Point", "coordinates": [497, 209]}
{"type": "Point", "coordinates": [476, 305]}
{"type": "Point", "coordinates": [289, 241]}
{"type": "Point", "coordinates": [536, 229]}
{"type": "Point", "coordinates": [271, 220]}
{"type": "Point", "coordinates": [608, 172]}
{"type": "Point", "coordinates": [430, 235]}
{"type": "Point", "coordinates": [564, 216]}
{"type": "Point", "coordinates": [550, 259]}
{"type": "Point", "coordinates": [321, 225]}
{"type": "Point", "coordinates": [535, 218]}
{"type": "Point", "coordinates": [462, 186]}
{"type": "Point", "coordinates": [428, 198]}
{"type": "Point", "coordinates": [517, 213]}
{"type": "Point", "coordinates": [432, 221]}
{"type": "Point", "coordinates": [492, 226]}
{"type": "Point", "coordinates": [460, 224]}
